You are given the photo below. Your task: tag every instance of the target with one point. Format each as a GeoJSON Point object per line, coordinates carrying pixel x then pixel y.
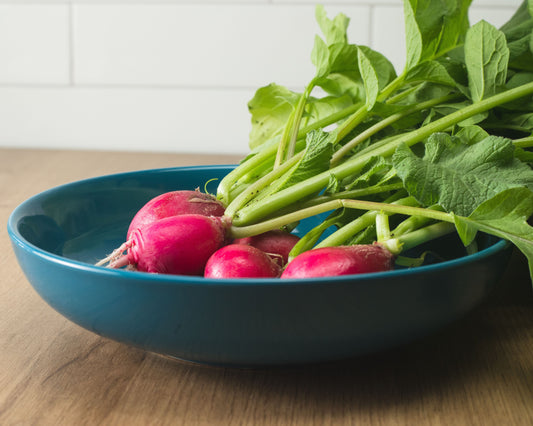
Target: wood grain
{"type": "Point", "coordinates": [478, 371]}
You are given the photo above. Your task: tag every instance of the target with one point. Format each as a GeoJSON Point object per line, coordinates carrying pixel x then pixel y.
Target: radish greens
{"type": "Point", "coordinates": [443, 146]}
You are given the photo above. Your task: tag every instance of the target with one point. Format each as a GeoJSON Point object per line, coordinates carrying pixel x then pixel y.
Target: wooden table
{"type": "Point", "coordinates": [479, 371]}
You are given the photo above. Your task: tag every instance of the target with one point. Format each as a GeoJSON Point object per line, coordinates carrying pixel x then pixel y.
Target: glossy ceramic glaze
{"type": "Point", "coordinates": [59, 234]}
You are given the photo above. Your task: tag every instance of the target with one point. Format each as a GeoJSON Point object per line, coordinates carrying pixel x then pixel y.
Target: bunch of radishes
{"type": "Point", "coordinates": [186, 233]}
{"type": "Point", "coordinates": [443, 146]}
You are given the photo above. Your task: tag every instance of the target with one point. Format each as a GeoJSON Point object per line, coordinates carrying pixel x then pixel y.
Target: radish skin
{"type": "Point", "coordinates": [169, 204]}
{"type": "Point", "coordinates": [340, 260]}
{"type": "Point", "coordinates": [174, 245]}
{"type": "Point", "coordinates": [175, 203]}
{"type": "Point", "coordinates": [241, 261]}
{"type": "Point", "coordinates": [276, 243]}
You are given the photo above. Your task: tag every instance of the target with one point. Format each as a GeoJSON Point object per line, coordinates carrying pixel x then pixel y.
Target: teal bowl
{"type": "Point", "coordinates": [59, 234]}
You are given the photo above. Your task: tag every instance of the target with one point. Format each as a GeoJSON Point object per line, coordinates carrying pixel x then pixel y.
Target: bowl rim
{"type": "Point", "coordinates": [169, 279]}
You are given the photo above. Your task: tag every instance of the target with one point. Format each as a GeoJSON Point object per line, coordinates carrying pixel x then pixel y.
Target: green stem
{"type": "Point", "coordinates": [412, 223]}
{"type": "Point", "coordinates": [268, 152]}
{"type": "Point", "coordinates": [283, 198]}
{"type": "Point", "coordinates": [253, 189]}
{"type": "Point", "coordinates": [392, 87]}
{"type": "Point", "coordinates": [280, 221]}
{"type": "Point", "coordinates": [395, 245]}
{"type": "Point", "coordinates": [402, 95]}
{"type": "Point", "coordinates": [526, 142]}
{"type": "Point", "coordinates": [354, 193]}
{"type": "Point", "coordinates": [285, 137]}
{"type": "Point", "coordinates": [343, 234]}
{"type": "Point", "coordinates": [351, 123]}
{"type": "Point", "coordinates": [287, 144]}
{"type": "Point", "coordinates": [382, 124]}
{"type": "Point", "coordinates": [298, 120]}
{"type": "Point", "coordinates": [224, 188]}
{"type": "Point", "coordinates": [330, 119]}
{"type": "Point", "coordinates": [382, 226]}
{"type": "Point", "coordinates": [399, 209]}
{"type": "Point", "coordinates": [420, 236]}
{"type": "Point", "coordinates": [390, 208]}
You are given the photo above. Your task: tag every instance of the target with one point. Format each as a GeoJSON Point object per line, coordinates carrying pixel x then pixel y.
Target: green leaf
{"type": "Point", "coordinates": [458, 176]}
{"type": "Point", "coordinates": [519, 34]}
{"type": "Point", "coordinates": [521, 51]}
{"type": "Point", "coordinates": [522, 15]}
{"type": "Point", "coordinates": [431, 71]}
{"type": "Point", "coordinates": [519, 122]}
{"type": "Point", "coordinates": [341, 84]}
{"type": "Point", "coordinates": [333, 54]}
{"type": "Point", "coordinates": [270, 108]}
{"type": "Point", "coordinates": [334, 185]}
{"type": "Point", "coordinates": [320, 57]}
{"type": "Point", "coordinates": [433, 28]}
{"type": "Point", "coordinates": [366, 236]}
{"type": "Point", "coordinates": [383, 68]}
{"type": "Point", "coordinates": [422, 92]}
{"type": "Point", "coordinates": [413, 37]}
{"type": "Point", "coordinates": [375, 172]}
{"type": "Point", "coordinates": [505, 216]}
{"type": "Point", "coordinates": [316, 159]}
{"type": "Point", "coordinates": [471, 134]}
{"type": "Point", "coordinates": [334, 30]}
{"type": "Point", "coordinates": [318, 108]}
{"type": "Point", "coordinates": [344, 76]}
{"type": "Point", "coordinates": [525, 103]}
{"type": "Point", "coordinates": [525, 156]}
{"type": "Point", "coordinates": [486, 57]}
{"type": "Point", "coordinates": [342, 59]}
{"type": "Point", "coordinates": [370, 79]}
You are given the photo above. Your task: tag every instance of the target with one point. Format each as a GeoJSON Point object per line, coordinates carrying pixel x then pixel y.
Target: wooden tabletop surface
{"type": "Point", "coordinates": [478, 371]}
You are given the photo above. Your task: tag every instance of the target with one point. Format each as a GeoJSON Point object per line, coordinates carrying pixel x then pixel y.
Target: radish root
{"type": "Point", "coordinates": [116, 259]}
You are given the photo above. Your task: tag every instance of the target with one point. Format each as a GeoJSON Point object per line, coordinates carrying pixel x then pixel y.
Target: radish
{"type": "Point", "coordinates": [276, 243]}
{"type": "Point", "coordinates": [173, 245]}
{"type": "Point", "coordinates": [241, 261]}
{"type": "Point", "coordinates": [175, 203]}
{"type": "Point", "coordinates": [169, 204]}
{"type": "Point", "coordinates": [340, 260]}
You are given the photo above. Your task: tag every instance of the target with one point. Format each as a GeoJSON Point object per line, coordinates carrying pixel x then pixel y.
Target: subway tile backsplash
{"type": "Point", "coordinates": [167, 75]}
{"type": "Point", "coordinates": [217, 46]}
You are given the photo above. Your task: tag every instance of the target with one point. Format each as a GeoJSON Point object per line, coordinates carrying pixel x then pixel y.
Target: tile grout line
{"type": "Point", "coordinates": [119, 86]}
{"type": "Point", "coordinates": [71, 44]}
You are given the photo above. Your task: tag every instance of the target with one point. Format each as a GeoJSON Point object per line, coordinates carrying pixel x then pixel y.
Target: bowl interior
{"type": "Point", "coordinates": [84, 221]}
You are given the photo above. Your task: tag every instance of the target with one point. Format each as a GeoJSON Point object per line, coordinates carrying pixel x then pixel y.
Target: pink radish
{"type": "Point", "coordinates": [173, 204]}
{"type": "Point", "coordinates": [341, 260]}
{"type": "Point", "coordinates": [169, 204]}
{"type": "Point", "coordinates": [241, 261]}
{"type": "Point", "coordinates": [276, 243]}
{"type": "Point", "coordinates": [173, 245]}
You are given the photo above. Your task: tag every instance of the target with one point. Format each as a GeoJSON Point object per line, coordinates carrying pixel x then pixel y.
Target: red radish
{"type": "Point", "coordinates": [341, 260]}
{"type": "Point", "coordinates": [169, 204]}
{"type": "Point", "coordinates": [241, 261]}
{"type": "Point", "coordinates": [173, 204]}
{"type": "Point", "coordinates": [276, 243]}
{"type": "Point", "coordinates": [173, 245]}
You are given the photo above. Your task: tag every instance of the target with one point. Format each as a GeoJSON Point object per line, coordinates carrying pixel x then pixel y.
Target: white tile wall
{"type": "Point", "coordinates": [34, 44]}
{"type": "Point", "coordinates": [167, 75]}
{"type": "Point", "coordinates": [218, 45]}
